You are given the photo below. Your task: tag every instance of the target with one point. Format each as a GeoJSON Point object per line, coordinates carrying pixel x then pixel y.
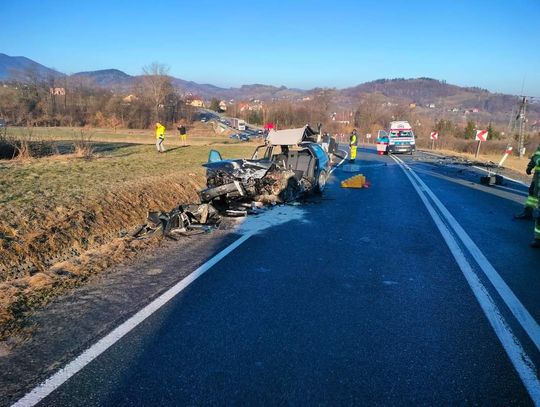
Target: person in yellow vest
{"type": "Point", "coordinates": [353, 140]}
{"type": "Point", "coordinates": [160, 137]}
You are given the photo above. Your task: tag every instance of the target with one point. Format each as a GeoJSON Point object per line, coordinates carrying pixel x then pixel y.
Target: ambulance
{"type": "Point", "coordinates": [401, 138]}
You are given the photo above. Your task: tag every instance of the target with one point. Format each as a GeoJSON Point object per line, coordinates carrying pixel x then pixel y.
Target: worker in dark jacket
{"type": "Point", "coordinates": [353, 141]}
{"type": "Point", "coordinates": [535, 163]}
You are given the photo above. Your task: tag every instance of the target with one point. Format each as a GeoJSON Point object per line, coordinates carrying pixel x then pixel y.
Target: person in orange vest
{"type": "Point", "coordinates": [160, 137]}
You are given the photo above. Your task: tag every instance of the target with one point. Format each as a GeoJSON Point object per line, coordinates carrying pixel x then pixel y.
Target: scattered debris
{"type": "Point", "coordinates": [183, 219]}
{"type": "Point", "coordinates": [292, 163]}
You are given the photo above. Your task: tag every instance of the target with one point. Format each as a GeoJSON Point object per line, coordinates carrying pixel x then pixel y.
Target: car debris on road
{"type": "Point", "coordinates": [290, 164]}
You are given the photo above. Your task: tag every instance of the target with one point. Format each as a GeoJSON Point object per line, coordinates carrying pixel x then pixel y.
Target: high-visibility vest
{"type": "Point", "coordinates": [353, 140]}
{"type": "Point", "coordinates": [536, 160]}
{"type": "Point", "coordinates": [160, 131]}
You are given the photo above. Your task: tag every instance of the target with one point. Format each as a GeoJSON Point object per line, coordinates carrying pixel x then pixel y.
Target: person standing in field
{"type": "Point", "coordinates": [160, 137]}
{"type": "Point", "coordinates": [183, 134]}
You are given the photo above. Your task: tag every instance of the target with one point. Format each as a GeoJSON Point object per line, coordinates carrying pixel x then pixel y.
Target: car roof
{"type": "Point", "coordinates": [290, 137]}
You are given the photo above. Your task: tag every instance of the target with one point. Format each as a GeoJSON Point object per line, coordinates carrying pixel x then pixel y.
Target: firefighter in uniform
{"type": "Point", "coordinates": [531, 201]}
{"type": "Point", "coordinates": [353, 145]}
{"type": "Point", "coordinates": [534, 198]}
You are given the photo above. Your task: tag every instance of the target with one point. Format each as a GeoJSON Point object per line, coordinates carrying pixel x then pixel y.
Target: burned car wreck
{"type": "Point", "coordinates": [288, 165]}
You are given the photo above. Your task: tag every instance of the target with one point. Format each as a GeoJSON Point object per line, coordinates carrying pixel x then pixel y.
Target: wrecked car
{"type": "Point", "coordinates": [288, 165]}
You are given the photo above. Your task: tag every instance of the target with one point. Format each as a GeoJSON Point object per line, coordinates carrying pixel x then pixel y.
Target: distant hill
{"type": "Point", "coordinates": [426, 93]}
{"type": "Point", "coordinates": [15, 66]}
{"type": "Point", "coordinates": [108, 78]}
{"type": "Point", "coordinates": [439, 94]}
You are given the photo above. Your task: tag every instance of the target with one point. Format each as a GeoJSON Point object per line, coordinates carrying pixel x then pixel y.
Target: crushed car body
{"type": "Point", "coordinates": [288, 165]}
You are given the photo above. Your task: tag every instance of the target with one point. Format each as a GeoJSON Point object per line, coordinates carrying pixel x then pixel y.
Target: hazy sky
{"type": "Point", "coordinates": [297, 43]}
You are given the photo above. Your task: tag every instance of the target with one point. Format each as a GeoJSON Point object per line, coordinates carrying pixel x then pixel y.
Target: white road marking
{"type": "Point", "coordinates": [56, 380]}
{"type": "Point", "coordinates": [519, 358]}
{"type": "Point", "coordinates": [528, 323]}
{"type": "Point", "coordinates": [252, 226]}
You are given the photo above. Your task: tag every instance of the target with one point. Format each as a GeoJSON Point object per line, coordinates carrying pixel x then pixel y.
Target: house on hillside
{"type": "Point", "coordinates": [130, 98]}
{"type": "Point", "coordinates": [195, 102]}
{"type": "Point", "coordinates": [57, 91]}
{"type": "Point", "coordinates": [223, 106]}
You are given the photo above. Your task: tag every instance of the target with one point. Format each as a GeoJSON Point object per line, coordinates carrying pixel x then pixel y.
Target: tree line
{"type": "Point", "coordinates": [28, 99]}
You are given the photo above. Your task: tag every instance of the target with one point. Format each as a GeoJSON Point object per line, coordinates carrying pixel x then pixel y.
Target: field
{"type": "Point", "coordinates": [61, 215]}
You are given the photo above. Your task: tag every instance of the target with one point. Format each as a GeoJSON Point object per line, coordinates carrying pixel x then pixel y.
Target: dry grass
{"type": "Point", "coordinates": [83, 144]}
{"type": "Point", "coordinates": [60, 216]}
{"type": "Point", "coordinates": [198, 134]}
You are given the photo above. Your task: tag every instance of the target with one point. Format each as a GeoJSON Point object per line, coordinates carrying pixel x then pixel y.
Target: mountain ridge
{"type": "Point", "coordinates": [422, 91]}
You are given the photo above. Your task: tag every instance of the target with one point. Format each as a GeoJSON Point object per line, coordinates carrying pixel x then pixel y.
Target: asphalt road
{"type": "Point", "coordinates": [356, 300]}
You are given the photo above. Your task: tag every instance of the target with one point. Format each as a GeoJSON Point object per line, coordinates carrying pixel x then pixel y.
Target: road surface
{"type": "Point", "coordinates": [419, 290]}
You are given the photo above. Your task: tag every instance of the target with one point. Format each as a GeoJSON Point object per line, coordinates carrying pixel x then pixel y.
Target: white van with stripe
{"type": "Point", "coordinates": [401, 138]}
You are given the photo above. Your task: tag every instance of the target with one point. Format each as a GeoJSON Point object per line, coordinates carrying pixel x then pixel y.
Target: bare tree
{"type": "Point", "coordinates": [155, 85]}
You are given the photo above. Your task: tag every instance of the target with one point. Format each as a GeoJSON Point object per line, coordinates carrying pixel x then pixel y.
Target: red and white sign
{"type": "Point", "coordinates": [368, 135]}
{"type": "Point", "coordinates": [506, 154]}
{"type": "Point", "coordinates": [481, 135]}
{"type": "Point", "coordinates": [434, 135]}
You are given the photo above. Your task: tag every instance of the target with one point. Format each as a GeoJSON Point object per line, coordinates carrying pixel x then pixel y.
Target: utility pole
{"type": "Point", "coordinates": [522, 122]}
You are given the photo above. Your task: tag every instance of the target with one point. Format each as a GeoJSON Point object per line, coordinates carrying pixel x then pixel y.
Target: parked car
{"type": "Point", "coordinates": [290, 164]}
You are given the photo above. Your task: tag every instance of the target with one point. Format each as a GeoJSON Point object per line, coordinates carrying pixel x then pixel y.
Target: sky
{"type": "Point", "coordinates": [297, 43]}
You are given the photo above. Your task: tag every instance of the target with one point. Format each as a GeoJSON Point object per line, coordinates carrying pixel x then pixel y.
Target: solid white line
{"type": "Point", "coordinates": [508, 178]}
{"type": "Point", "coordinates": [519, 311]}
{"type": "Point", "coordinates": [521, 361]}
{"type": "Point", "coordinates": [57, 379]}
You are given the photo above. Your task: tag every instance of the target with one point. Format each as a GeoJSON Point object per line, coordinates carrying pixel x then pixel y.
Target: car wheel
{"type": "Point", "coordinates": [321, 182]}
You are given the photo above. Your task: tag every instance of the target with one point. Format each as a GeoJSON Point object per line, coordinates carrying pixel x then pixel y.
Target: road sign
{"type": "Point", "coordinates": [481, 135]}
{"type": "Point", "coordinates": [368, 136]}
{"type": "Point", "coordinates": [434, 135]}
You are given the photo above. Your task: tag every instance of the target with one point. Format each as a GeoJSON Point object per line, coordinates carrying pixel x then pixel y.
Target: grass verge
{"type": "Point", "coordinates": [60, 216]}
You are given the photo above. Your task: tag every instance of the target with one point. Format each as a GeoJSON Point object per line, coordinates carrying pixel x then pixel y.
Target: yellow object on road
{"type": "Point", "coordinates": [358, 181]}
